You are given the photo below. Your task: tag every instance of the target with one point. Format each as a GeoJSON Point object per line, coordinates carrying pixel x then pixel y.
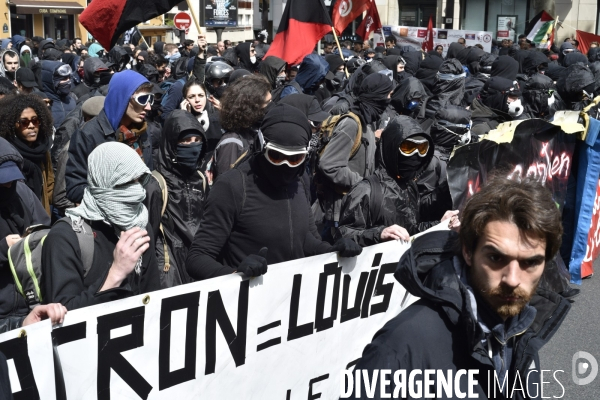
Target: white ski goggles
{"type": "Point", "coordinates": [279, 155]}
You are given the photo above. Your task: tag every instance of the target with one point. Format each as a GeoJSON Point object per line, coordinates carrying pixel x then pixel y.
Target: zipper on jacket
{"type": "Point", "coordinates": [290, 221]}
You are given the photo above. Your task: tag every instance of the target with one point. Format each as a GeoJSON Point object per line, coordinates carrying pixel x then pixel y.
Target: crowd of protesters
{"type": "Point", "coordinates": [192, 161]}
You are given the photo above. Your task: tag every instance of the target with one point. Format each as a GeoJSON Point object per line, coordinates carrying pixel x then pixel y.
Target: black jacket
{"type": "Point", "coordinates": [97, 131]}
{"type": "Point", "coordinates": [447, 92]}
{"type": "Point", "coordinates": [61, 104]}
{"type": "Point", "coordinates": [485, 119]}
{"type": "Point", "coordinates": [63, 279]}
{"type": "Point", "coordinates": [187, 192]}
{"type": "Point", "coordinates": [244, 213]}
{"type": "Point", "coordinates": [15, 217]}
{"type": "Point", "coordinates": [400, 198]}
{"type": "Point", "coordinates": [440, 331]}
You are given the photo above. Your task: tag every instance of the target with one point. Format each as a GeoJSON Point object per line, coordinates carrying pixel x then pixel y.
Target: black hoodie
{"type": "Point", "coordinates": [242, 51]}
{"type": "Point", "coordinates": [400, 196]}
{"type": "Point", "coordinates": [571, 85]}
{"type": "Point", "coordinates": [442, 332]}
{"type": "Point", "coordinates": [447, 91]}
{"type": "Point", "coordinates": [506, 67]}
{"type": "Point", "coordinates": [428, 70]}
{"type": "Point", "coordinates": [187, 191]}
{"type": "Point", "coordinates": [90, 66]}
{"type": "Point", "coordinates": [270, 67]}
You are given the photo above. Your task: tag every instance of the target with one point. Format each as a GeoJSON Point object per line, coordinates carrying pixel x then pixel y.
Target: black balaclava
{"type": "Point", "coordinates": [535, 62]}
{"type": "Point", "coordinates": [242, 51]}
{"type": "Point", "coordinates": [538, 96]}
{"type": "Point", "coordinates": [576, 79]}
{"type": "Point", "coordinates": [188, 155]}
{"type": "Point", "coordinates": [450, 126]}
{"type": "Point", "coordinates": [505, 67]}
{"type": "Point", "coordinates": [403, 168]}
{"type": "Point", "coordinates": [495, 93]}
{"type": "Point", "coordinates": [404, 97]}
{"type": "Point", "coordinates": [287, 127]}
{"type": "Point", "coordinates": [373, 97]}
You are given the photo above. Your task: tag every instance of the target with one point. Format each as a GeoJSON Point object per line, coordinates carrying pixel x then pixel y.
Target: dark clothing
{"type": "Point", "coordinates": [270, 67]}
{"type": "Point", "coordinates": [174, 93]}
{"type": "Point", "coordinates": [506, 67]}
{"type": "Point", "coordinates": [485, 119]}
{"type": "Point", "coordinates": [14, 219]}
{"type": "Point", "coordinates": [447, 91]}
{"type": "Point", "coordinates": [97, 131]}
{"type": "Point", "coordinates": [473, 86]}
{"type": "Point", "coordinates": [5, 390]}
{"type": "Point", "coordinates": [61, 104]}
{"type": "Point", "coordinates": [187, 192]}
{"type": "Point", "coordinates": [230, 148]}
{"type": "Point", "coordinates": [428, 71]}
{"type": "Point", "coordinates": [441, 331]}
{"type": "Point", "coordinates": [63, 278]}
{"type": "Point", "coordinates": [245, 212]}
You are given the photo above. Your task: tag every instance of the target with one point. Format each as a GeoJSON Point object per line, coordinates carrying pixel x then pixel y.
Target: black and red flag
{"type": "Point", "coordinates": [303, 24]}
{"type": "Point", "coordinates": [106, 20]}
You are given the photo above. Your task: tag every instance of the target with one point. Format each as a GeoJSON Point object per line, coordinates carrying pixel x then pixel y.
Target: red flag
{"type": "Point", "coordinates": [106, 20]}
{"type": "Point", "coordinates": [585, 39]}
{"type": "Point", "coordinates": [370, 23]}
{"type": "Point", "coordinates": [303, 24]}
{"type": "Point", "coordinates": [346, 11]}
{"type": "Point", "coordinates": [428, 42]}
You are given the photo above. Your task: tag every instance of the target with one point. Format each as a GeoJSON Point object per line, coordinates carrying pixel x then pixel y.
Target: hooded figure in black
{"type": "Point", "coordinates": [565, 48]}
{"type": "Point", "coordinates": [261, 203]}
{"type": "Point", "coordinates": [594, 66]}
{"type": "Point", "coordinates": [19, 209]}
{"type": "Point", "coordinates": [57, 88]}
{"type": "Point", "coordinates": [449, 88]}
{"type": "Point", "coordinates": [451, 127]}
{"type": "Point", "coordinates": [273, 68]}
{"type": "Point", "coordinates": [505, 67]}
{"type": "Point", "coordinates": [391, 63]}
{"type": "Point", "coordinates": [95, 74]}
{"type": "Point", "coordinates": [428, 71]}
{"type": "Point", "coordinates": [491, 108]}
{"type": "Point", "coordinates": [410, 98]}
{"type": "Point", "coordinates": [413, 61]}
{"type": "Point", "coordinates": [453, 50]}
{"type": "Point", "coordinates": [178, 162]}
{"type": "Point", "coordinates": [118, 59]}
{"type": "Point", "coordinates": [481, 73]}
{"type": "Point", "coordinates": [396, 175]}
{"type": "Point", "coordinates": [246, 60]}
{"type": "Point", "coordinates": [576, 87]}
{"type": "Point", "coordinates": [540, 97]}
{"type": "Point", "coordinates": [335, 62]}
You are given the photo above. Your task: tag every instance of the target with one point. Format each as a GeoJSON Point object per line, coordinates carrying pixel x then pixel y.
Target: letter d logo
{"type": "Point", "coordinates": [582, 367]}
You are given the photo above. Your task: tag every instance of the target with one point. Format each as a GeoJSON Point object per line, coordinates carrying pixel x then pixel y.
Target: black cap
{"type": "Point", "coordinates": [315, 112]}
{"type": "Point", "coordinates": [25, 77]}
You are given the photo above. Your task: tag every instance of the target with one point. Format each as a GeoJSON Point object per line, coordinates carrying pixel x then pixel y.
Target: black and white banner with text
{"type": "Point", "coordinates": [286, 335]}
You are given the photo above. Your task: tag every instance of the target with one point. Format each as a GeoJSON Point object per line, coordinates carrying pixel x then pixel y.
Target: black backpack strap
{"type": "Point", "coordinates": [376, 200]}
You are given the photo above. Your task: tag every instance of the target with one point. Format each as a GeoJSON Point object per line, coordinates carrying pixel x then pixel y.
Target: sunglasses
{"type": "Point", "coordinates": [410, 146]}
{"type": "Point", "coordinates": [144, 98]}
{"type": "Point", "coordinates": [24, 122]}
{"type": "Point", "coordinates": [276, 157]}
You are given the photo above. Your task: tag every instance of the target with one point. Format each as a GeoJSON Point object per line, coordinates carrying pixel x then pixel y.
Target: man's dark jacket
{"type": "Point", "coordinates": [440, 332]}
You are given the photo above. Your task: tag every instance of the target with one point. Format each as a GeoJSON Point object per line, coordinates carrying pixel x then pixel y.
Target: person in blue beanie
{"type": "Point", "coordinates": [123, 119]}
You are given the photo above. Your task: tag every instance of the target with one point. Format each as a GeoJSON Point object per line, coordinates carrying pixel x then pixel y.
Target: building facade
{"type": "Point", "coordinates": [56, 19]}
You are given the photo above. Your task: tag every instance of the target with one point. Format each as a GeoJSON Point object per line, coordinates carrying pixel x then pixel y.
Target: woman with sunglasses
{"type": "Point", "coordinates": [386, 205]}
{"type": "Point", "coordinates": [195, 101]}
{"type": "Point", "coordinates": [27, 125]}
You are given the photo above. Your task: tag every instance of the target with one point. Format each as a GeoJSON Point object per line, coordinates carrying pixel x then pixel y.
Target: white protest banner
{"type": "Point", "coordinates": [286, 335]}
{"type": "Point", "coordinates": [414, 36]}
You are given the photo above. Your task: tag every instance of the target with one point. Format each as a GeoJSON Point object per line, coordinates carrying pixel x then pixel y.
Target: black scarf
{"type": "Point", "coordinates": [33, 158]}
{"type": "Point", "coordinates": [373, 97]}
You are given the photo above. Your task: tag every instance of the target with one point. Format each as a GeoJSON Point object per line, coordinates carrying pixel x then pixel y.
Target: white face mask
{"type": "Point", "coordinates": [515, 108]}
{"type": "Point", "coordinates": [253, 59]}
{"type": "Point", "coordinates": [551, 100]}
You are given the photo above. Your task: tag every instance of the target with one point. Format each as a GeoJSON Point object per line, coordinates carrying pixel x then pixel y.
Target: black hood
{"type": "Point", "coordinates": [505, 67]}
{"type": "Point", "coordinates": [536, 94]}
{"type": "Point", "coordinates": [334, 61]}
{"type": "Point", "coordinates": [495, 93]}
{"type": "Point", "coordinates": [563, 47]}
{"type": "Point", "coordinates": [454, 49]}
{"type": "Point", "coordinates": [410, 88]}
{"type": "Point", "coordinates": [270, 67]}
{"type": "Point", "coordinates": [593, 54]}
{"type": "Point", "coordinates": [428, 70]}
{"type": "Point", "coordinates": [535, 61]}
{"type": "Point", "coordinates": [449, 91]}
{"type": "Point", "coordinates": [9, 153]}
{"type": "Point", "coordinates": [391, 63]}
{"type": "Point", "coordinates": [90, 66]}
{"type": "Point", "coordinates": [242, 51]}
{"type": "Point", "coordinates": [485, 63]}
{"type": "Point", "coordinates": [413, 61]}
{"type": "Point", "coordinates": [118, 56]}
{"type": "Point", "coordinates": [397, 130]}
{"type": "Point", "coordinates": [178, 121]}
{"type": "Point", "coordinates": [572, 83]}
{"type": "Point", "coordinates": [575, 58]}
{"type": "Point", "coordinates": [439, 131]}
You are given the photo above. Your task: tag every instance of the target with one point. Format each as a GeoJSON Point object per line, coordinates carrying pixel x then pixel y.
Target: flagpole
{"type": "Point", "coordinates": [337, 41]}
{"type": "Point", "coordinates": [189, 3]}
{"type": "Point", "coordinates": [142, 36]}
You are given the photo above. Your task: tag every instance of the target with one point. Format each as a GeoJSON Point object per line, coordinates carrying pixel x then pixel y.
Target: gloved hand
{"type": "Point", "coordinates": [254, 265]}
{"type": "Point", "coordinates": [341, 107]}
{"type": "Point", "coordinates": [346, 247]}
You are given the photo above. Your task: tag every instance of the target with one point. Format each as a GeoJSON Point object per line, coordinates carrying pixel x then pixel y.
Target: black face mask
{"type": "Point", "coordinates": [7, 194]}
{"type": "Point", "coordinates": [105, 78]}
{"type": "Point", "coordinates": [278, 175]}
{"type": "Point", "coordinates": [10, 75]}
{"type": "Point", "coordinates": [218, 91]}
{"type": "Point", "coordinates": [189, 154]}
{"type": "Point", "coordinates": [409, 166]}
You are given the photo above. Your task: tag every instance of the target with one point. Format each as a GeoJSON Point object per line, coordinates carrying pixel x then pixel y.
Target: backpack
{"type": "Point", "coordinates": [325, 136]}
{"type": "Point", "coordinates": [25, 258]}
{"type": "Point", "coordinates": [165, 198]}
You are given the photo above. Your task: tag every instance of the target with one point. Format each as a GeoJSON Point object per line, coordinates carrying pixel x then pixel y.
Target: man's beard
{"type": "Point", "coordinates": [494, 296]}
